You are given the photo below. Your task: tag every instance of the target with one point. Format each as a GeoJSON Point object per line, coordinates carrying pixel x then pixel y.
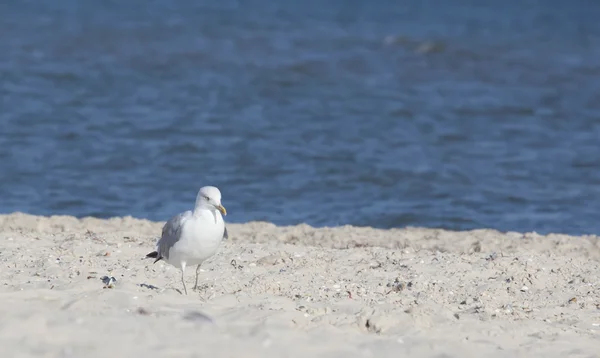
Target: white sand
{"type": "Point", "coordinates": [297, 292]}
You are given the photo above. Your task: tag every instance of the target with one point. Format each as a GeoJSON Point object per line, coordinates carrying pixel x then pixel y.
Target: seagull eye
{"type": "Point", "coordinates": [207, 199]}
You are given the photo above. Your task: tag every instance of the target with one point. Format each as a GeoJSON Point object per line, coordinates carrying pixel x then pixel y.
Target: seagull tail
{"type": "Point", "coordinates": [154, 255]}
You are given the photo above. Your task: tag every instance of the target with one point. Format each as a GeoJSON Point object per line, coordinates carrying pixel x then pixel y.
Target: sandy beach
{"type": "Point", "coordinates": [296, 292]}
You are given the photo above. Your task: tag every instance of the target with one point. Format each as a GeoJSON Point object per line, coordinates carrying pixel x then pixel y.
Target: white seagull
{"type": "Point", "coordinates": [191, 237]}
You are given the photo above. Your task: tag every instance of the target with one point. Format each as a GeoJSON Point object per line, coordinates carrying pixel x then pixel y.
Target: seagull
{"type": "Point", "coordinates": [191, 237]}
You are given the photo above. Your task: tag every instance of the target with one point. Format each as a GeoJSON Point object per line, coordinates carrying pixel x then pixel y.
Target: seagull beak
{"type": "Point", "coordinates": [221, 208]}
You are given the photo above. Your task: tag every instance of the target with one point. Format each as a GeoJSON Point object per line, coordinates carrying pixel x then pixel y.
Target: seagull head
{"type": "Point", "coordinates": [210, 196]}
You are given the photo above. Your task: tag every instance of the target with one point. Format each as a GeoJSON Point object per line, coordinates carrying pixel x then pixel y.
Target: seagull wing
{"type": "Point", "coordinates": [171, 233]}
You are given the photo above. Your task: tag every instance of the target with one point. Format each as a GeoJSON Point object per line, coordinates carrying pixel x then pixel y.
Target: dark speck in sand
{"type": "Point", "coordinates": [196, 316]}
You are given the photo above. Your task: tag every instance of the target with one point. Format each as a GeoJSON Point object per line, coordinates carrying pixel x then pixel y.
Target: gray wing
{"type": "Point", "coordinates": [171, 233]}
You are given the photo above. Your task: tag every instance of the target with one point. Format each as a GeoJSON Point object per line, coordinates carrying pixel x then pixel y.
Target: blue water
{"type": "Point", "coordinates": [453, 114]}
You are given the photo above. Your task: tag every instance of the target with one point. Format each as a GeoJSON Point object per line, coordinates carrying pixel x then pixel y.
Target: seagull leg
{"type": "Point", "coordinates": [196, 285]}
{"type": "Point", "coordinates": [182, 277]}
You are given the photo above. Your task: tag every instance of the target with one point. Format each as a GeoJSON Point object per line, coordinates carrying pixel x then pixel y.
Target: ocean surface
{"type": "Point", "coordinates": [448, 114]}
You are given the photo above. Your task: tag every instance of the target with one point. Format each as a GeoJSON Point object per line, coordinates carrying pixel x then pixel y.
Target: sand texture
{"type": "Point", "coordinates": [296, 292]}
